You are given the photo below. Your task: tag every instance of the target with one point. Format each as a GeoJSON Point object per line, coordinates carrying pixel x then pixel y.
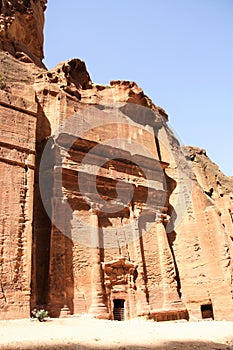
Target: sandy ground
{"type": "Point", "coordinates": [82, 334]}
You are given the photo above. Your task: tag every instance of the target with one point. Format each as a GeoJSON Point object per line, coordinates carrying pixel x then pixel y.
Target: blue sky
{"type": "Point", "coordinates": [179, 51]}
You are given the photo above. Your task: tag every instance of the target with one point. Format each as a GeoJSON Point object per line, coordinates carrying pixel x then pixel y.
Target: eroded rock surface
{"type": "Point", "coordinates": [21, 29]}
{"type": "Point", "coordinates": [70, 152]}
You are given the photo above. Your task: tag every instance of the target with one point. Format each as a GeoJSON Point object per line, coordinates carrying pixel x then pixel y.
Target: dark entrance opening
{"type": "Point", "coordinates": [119, 310]}
{"type": "Point", "coordinates": [207, 311]}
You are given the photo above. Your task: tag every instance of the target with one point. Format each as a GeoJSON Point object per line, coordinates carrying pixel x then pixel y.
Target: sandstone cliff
{"type": "Point", "coordinates": [213, 182]}
{"type": "Point", "coordinates": [21, 29]}
{"type": "Point", "coordinates": [101, 211]}
{"type": "Point", "coordinates": [21, 35]}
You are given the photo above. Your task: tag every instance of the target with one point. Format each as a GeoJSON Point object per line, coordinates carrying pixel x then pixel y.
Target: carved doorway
{"type": "Point", "coordinates": [207, 311]}
{"type": "Point", "coordinates": [119, 309]}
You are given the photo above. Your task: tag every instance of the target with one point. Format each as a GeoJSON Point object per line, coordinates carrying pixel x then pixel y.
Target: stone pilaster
{"type": "Point", "coordinates": [98, 308]}
{"type": "Point", "coordinates": [168, 274]}
{"type": "Point", "coordinates": [142, 302]}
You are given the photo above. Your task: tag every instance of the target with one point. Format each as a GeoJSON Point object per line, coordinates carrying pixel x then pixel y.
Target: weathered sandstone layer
{"type": "Point", "coordinates": [21, 29]}
{"type": "Point", "coordinates": [102, 211]}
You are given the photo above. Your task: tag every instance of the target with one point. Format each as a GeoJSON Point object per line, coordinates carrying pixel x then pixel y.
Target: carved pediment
{"type": "Point", "coordinates": [119, 272]}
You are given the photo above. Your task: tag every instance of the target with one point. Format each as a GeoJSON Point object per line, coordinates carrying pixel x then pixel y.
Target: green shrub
{"type": "Point", "coordinates": [39, 314]}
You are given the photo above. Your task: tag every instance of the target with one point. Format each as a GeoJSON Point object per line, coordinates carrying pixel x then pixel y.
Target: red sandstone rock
{"type": "Point", "coordinates": [21, 29]}
{"type": "Point", "coordinates": [164, 253]}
